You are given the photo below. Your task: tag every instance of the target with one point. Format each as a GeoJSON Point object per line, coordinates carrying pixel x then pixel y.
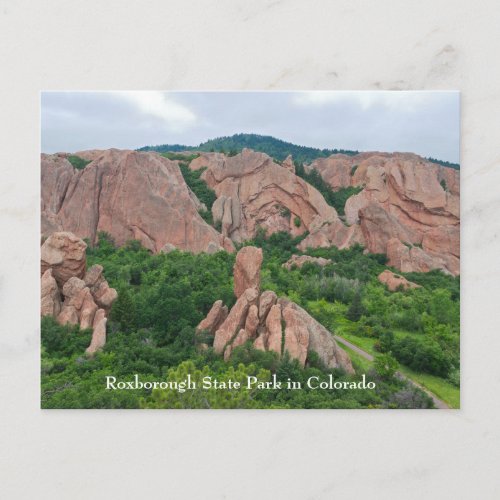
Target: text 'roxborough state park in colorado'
{"type": "Point", "coordinates": [249, 258]}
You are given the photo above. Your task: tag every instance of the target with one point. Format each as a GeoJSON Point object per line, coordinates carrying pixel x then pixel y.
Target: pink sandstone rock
{"type": "Point", "coordinates": [215, 317]}
{"type": "Point", "coordinates": [129, 195]}
{"type": "Point", "coordinates": [394, 281]}
{"type": "Point", "coordinates": [64, 253]}
{"type": "Point", "coordinates": [321, 340]}
{"type": "Point", "coordinates": [274, 330]}
{"type": "Point", "coordinates": [252, 321]}
{"type": "Point", "coordinates": [50, 296]}
{"type": "Point", "coordinates": [296, 335]}
{"type": "Point", "coordinates": [247, 269]}
{"type": "Point", "coordinates": [99, 333]}
{"type": "Point", "coordinates": [266, 301]}
{"type": "Point", "coordinates": [235, 319]}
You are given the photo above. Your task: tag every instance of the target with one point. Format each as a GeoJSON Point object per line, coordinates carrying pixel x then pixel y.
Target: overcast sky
{"type": "Point", "coordinates": [426, 123]}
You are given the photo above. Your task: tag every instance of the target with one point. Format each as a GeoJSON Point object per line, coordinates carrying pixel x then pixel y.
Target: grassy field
{"type": "Point", "coordinates": [364, 343]}
{"type": "Point", "coordinates": [361, 365]}
{"type": "Point", "coordinates": [440, 387]}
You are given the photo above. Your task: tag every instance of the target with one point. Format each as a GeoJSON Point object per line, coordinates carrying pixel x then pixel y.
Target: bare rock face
{"type": "Point", "coordinates": [288, 164]}
{"type": "Point", "coordinates": [274, 330]}
{"type": "Point", "coordinates": [50, 296]}
{"type": "Point", "coordinates": [266, 301]}
{"type": "Point", "coordinates": [300, 260]}
{"type": "Point", "coordinates": [252, 321]}
{"type": "Point", "coordinates": [104, 296]}
{"type": "Point", "coordinates": [253, 191]}
{"type": "Point", "coordinates": [332, 234]}
{"type": "Point", "coordinates": [235, 319]}
{"type": "Point", "coordinates": [335, 170]}
{"type": "Point", "coordinates": [321, 340]}
{"type": "Point", "coordinates": [128, 194]}
{"type": "Point", "coordinates": [296, 335]}
{"type": "Point", "coordinates": [64, 253]}
{"type": "Point", "coordinates": [215, 317]}
{"type": "Point", "coordinates": [404, 197]}
{"type": "Point", "coordinates": [99, 333]}
{"type": "Point", "coordinates": [395, 282]}
{"type": "Point", "coordinates": [247, 269]}
{"type": "Point", "coordinates": [70, 294]}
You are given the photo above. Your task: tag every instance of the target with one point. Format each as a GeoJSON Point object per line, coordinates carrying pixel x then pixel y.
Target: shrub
{"type": "Point", "coordinates": [77, 162]}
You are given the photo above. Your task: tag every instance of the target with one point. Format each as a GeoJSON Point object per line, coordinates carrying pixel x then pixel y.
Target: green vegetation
{"type": "Point", "coordinates": [184, 157]}
{"type": "Point", "coordinates": [275, 148]}
{"type": "Point", "coordinates": [448, 164]}
{"type": "Point", "coordinates": [151, 332]}
{"type": "Point", "coordinates": [77, 162]}
{"type": "Point", "coordinates": [199, 188]}
{"type": "Point", "coordinates": [336, 199]}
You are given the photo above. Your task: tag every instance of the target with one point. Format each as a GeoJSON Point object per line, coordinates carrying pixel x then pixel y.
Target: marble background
{"type": "Point", "coordinates": [259, 44]}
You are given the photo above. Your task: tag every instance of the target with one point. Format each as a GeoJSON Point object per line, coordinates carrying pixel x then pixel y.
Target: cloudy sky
{"type": "Point", "coordinates": [426, 123]}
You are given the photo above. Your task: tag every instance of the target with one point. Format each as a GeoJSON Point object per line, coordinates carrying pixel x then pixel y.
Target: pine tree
{"type": "Point", "coordinates": [356, 308]}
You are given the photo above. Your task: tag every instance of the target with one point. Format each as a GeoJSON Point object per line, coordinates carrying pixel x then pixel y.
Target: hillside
{"type": "Point", "coordinates": [163, 231]}
{"type": "Point", "coordinates": [276, 148]}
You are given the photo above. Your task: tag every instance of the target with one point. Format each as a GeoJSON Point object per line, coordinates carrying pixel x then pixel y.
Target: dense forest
{"type": "Point", "coordinates": [151, 331]}
{"type": "Point", "coordinates": [276, 148]}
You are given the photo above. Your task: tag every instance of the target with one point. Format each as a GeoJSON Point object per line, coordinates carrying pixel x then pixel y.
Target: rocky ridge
{"type": "Point", "coordinates": [270, 323]}
{"type": "Point", "coordinates": [70, 292]}
{"type": "Point", "coordinates": [129, 195]}
{"type": "Point", "coordinates": [409, 208]}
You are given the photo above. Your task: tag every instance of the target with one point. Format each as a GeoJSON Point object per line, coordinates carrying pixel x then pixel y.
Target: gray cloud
{"type": "Point", "coordinates": [426, 123]}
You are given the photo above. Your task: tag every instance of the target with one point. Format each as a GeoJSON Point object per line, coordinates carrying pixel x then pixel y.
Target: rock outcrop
{"type": "Point", "coordinates": [408, 208]}
{"type": "Point", "coordinates": [247, 269]}
{"type": "Point", "coordinates": [129, 195]}
{"type": "Point", "coordinates": [271, 324]}
{"type": "Point", "coordinates": [395, 282]}
{"type": "Point", "coordinates": [300, 260]}
{"type": "Point", "coordinates": [253, 191]}
{"type": "Point", "coordinates": [64, 254]}
{"type": "Point", "coordinates": [70, 294]}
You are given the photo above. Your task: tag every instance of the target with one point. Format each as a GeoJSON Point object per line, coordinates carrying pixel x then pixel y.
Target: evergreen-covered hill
{"type": "Point", "coordinates": [276, 148]}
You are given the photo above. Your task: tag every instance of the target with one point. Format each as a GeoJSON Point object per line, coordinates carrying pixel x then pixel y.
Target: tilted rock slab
{"type": "Point", "coordinates": [128, 194]}
{"type": "Point", "coordinates": [404, 197]}
{"type": "Point", "coordinates": [395, 282]}
{"type": "Point", "coordinates": [253, 191]}
{"type": "Point", "coordinates": [246, 269]}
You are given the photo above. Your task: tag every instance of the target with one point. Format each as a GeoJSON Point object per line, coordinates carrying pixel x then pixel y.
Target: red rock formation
{"type": "Point", "coordinates": [215, 317]}
{"type": "Point", "coordinates": [63, 265]}
{"type": "Point", "coordinates": [274, 325]}
{"type": "Point", "coordinates": [247, 269]}
{"type": "Point", "coordinates": [64, 253]}
{"type": "Point", "coordinates": [300, 260]}
{"type": "Point", "coordinates": [394, 281]}
{"type": "Point", "coordinates": [253, 191]}
{"type": "Point", "coordinates": [98, 334]}
{"type": "Point", "coordinates": [129, 195]}
{"type": "Point", "coordinates": [50, 296]}
{"type": "Point", "coordinates": [404, 197]}
{"type": "Point", "coordinates": [235, 319]}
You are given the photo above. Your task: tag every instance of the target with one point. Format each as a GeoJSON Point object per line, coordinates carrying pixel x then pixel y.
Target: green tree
{"type": "Point", "coordinates": [356, 308]}
{"type": "Point", "coordinates": [385, 365]}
